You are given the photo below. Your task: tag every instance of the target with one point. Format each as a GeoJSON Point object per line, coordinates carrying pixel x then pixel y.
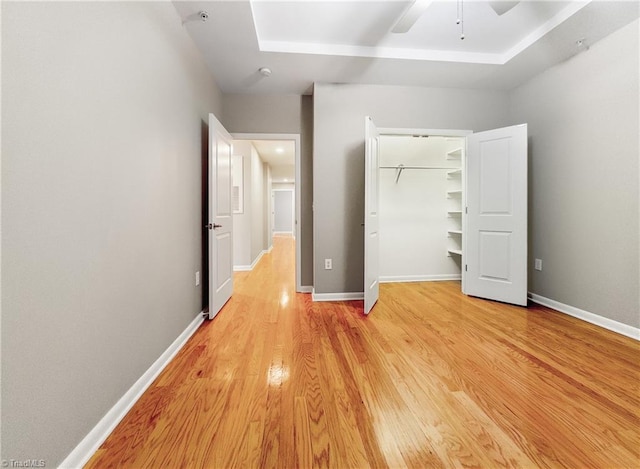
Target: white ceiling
{"type": "Point", "coordinates": [303, 42]}
{"type": "Point", "coordinates": [362, 29]}
{"type": "Point", "coordinates": [280, 155]}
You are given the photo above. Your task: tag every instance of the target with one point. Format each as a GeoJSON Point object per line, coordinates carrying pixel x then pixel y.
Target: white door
{"type": "Point", "coordinates": [371, 196]}
{"type": "Point", "coordinates": [283, 211]}
{"type": "Point", "coordinates": [220, 217]}
{"type": "Point", "coordinates": [495, 253]}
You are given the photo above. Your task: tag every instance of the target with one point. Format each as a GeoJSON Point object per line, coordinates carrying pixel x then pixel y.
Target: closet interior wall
{"type": "Point", "coordinates": [419, 220]}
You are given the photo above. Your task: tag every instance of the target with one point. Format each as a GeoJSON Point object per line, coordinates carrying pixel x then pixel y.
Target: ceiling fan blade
{"type": "Point", "coordinates": [502, 6]}
{"type": "Point", "coordinates": [411, 15]}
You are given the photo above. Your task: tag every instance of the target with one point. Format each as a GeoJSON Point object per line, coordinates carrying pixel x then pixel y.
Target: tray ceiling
{"type": "Point", "coordinates": [303, 42]}
{"type": "Point", "coordinates": [362, 29]}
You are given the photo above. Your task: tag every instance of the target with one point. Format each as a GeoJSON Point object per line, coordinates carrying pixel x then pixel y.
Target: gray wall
{"type": "Point", "coordinates": [258, 196]}
{"type": "Point", "coordinates": [103, 106]}
{"type": "Point", "coordinates": [250, 227]}
{"type": "Point", "coordinates": [251, 113]}
{"type": "Point", "coordinates": [268, 238]}
{"type": "Point", "coordinates": [338, 159]}
{"type": "Point", "coordinates": [583, 178]}
{"type": "Point", "coordinates": [248, 113]}
{"type": "Point", "coordinates": [242, 221]}
{"type": "Point", "coordinates": [306, 191]}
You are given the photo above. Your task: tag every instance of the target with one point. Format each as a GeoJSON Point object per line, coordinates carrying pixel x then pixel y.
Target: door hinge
{"type": "Point", "coordinates": [466, 210]}
{"type": "Point", "coordinates": [465, 268]}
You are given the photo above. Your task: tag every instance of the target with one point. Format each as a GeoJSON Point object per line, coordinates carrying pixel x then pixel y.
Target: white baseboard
{"type": "Point", "coordinates": [419, 278]}
{"type": "Point", "coordinates": [305, 289]}
{"type": "Point", "coordinates": [592, 318]}
{"type": "Point", "coordinates": [337, 296]}
{"type": "Point", "coordinates": [90, 443]}
{"type": "Point", "coordinates": [247, 268]}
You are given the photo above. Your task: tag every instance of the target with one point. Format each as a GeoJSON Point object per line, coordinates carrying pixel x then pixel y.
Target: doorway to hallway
{"type": "Point", "coordinates": [267, 189]}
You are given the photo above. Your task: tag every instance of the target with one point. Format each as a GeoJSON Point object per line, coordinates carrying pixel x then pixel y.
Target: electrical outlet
{"type": "Point", "coordinates": [537, 264]}
{"type": "Point", "coordinates": [327, 264]}
{"type": "Point", "coordinates": [197, 278]}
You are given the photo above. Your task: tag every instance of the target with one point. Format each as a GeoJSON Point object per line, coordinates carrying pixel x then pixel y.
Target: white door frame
{"type": "Point", "coordinates": [293, 210]}
{"type": "Point", "coordinates": [296, 139]}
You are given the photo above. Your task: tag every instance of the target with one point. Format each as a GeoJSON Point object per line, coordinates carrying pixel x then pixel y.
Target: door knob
{"type": "Point", "coordinates": [212, 226]}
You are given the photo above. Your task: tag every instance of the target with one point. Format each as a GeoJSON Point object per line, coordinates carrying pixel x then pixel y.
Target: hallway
{"type": "Point", "coordinates": [431, 378]}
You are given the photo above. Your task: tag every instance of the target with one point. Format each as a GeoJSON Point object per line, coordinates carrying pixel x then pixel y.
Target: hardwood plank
{"type": "Point", "coordinates": [350, 449]}
{"type": "Point", "coordinates": [303, 450]}
{"type": "Point", "coordinates": [431, 378]}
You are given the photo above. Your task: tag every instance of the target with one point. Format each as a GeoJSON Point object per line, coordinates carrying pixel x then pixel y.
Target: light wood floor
{"type": "Point", "coordinates": [430, 379]}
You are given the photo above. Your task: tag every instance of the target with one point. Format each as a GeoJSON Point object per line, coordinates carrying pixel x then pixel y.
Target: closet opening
{"type": "Point", "coordinates": [421, 204]}
{"type": "Point", "coordinates": [447, 205]}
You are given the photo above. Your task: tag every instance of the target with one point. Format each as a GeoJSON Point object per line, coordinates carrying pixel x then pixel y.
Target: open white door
{"type": "Point", "coordinates": [220, 217]}
{"type": "Point", "coordinates": [496, 231]}
{"type": "Point", "coordinates": [371, 195]}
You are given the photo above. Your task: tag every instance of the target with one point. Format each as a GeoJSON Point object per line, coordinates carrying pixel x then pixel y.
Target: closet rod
{"type": "Point", "coordinates": [417, 167]}
{"type": "Point", "coordinates": [402, 167]}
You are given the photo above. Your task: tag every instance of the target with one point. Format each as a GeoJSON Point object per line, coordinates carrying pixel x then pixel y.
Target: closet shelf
{"type": "Point", "coordinates": [457, 232]}
{"type": "Point", "coordinates": [455, 172]}
{"type": "Point", "coordinates": [458, 252]}
{"type": "Point", "coordinates": [455, 212]}
{"type": "Point", "coordinates": [454, 154]}
{"type": "Point", "coordinates": [456, 192]}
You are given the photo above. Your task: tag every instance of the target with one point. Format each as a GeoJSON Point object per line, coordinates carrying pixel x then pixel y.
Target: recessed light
{"type": "Point", "coordinates": [279, 150]}
{"type": "Point", "coordinates": [286, 180]}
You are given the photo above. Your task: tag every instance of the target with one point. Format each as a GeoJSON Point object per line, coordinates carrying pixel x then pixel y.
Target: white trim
{"type": "Point", "coordinates": [424, 132]}
{"type": "Point", "coordinates": [419, 278]}
{"type": "Point", "coordinates": [337, 296]}
{"type": "Point", "coordinates": [306, 289]}
{"type": "Point", "coordinates": [378, 52]}
{"type": "Point", "coordinates": [298, 215]}
{"type": "Point", "coordinates": [606, 323]}
{"type": "Point", "coordinates": [247, 268]}
{"type": "Point", "coordinates": [297, 182]}
{"type": "Point", "coordinates": [90, 443]}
